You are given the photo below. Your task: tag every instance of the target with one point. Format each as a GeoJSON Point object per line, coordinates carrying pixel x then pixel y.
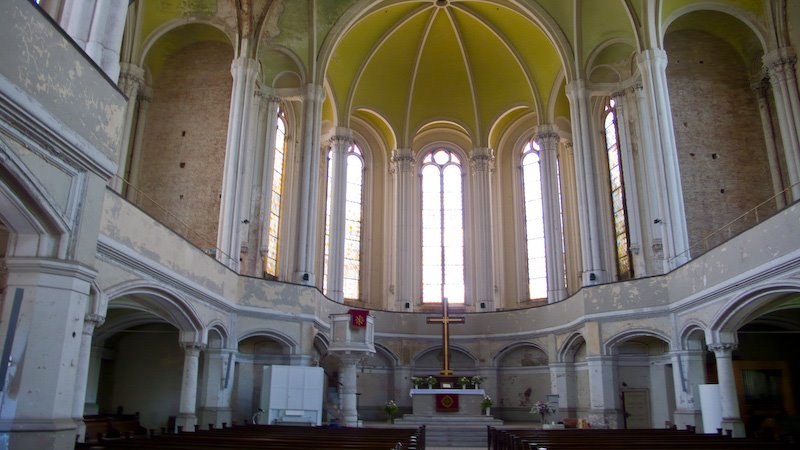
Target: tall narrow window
{"type": "Point", "coordinates": [271, 263]}
{"type": "Point", "coordinates": [353, 218]}
{"type": "Point", "coordinates": [617, 189]}
{"type": "Point", "coordinates": [534, 221]}
{"type": "Point", "coordinates": [442, 228]}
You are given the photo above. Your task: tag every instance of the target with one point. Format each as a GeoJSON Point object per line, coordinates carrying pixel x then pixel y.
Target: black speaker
{"type": "Point", "coordinates": [592, 276]}
{"type": "Point", "coordinates": [305, 277]}
{"type": "Point", "coordinates": [408, 305]}
{"type": "Point", "coordinates": [483, 305]}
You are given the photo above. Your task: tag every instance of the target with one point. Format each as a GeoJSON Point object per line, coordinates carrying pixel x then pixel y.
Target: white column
{"type": "Point", "coordinates": [657, 117]}
{"type": "Point", "coordinates": [76, 20]}
{"type": "Point", "coordinates": [216, 387]}
{"type": "Point", "coordinates": [188, 400]}
{"type": "Point", "coordinates": [592, 270]}
{"type": "Point", "coordinates": [547, 138]}
{"type": "Point", "coordinates": [760, 88]}
{"type": "Point", "coordinates": [688, 373]}
{"type": "Point", "coordinates": [731, 418]}
{"type": "Point", "coordinates": [631, 187]}
{"type": "Point", "coordinates": [780, 65]}
{"type": "Point", "coordinates": [36, 408]}
{"type": "Point", "coordinates": [267, 174]}
{"type": "Point", "coordinates": [105, 35]}
{"type": "Point", "coordinates": [403, 171]}
{"type": "Point", "coordinates": [348, 378]}
{"type": "Point", "coordinates": [131, 80]}
{"type": "Point", "coordinates": [562, 383]}
{"type": "Point", "coordinates": [245, 72]}
{"type": "Point", "coordinates": [339, 145]}
{"type": "Point", "coordinates": [481, 162]}
{"type": "Point", "coordinates": [602, 392]}
{"type": "Point", "coordinates": [93, 380]}
{"type": "Point", "coordinates": [90, 322]}
{"type": "Point", "coordinates": [306, 250]}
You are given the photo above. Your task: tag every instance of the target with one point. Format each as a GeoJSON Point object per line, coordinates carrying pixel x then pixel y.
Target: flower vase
{"type": "Point", "coordinates": [488, 412]}
{"type": "Point", "coordinates": [542, 416]}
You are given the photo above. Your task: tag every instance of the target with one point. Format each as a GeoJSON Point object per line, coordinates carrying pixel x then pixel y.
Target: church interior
{"type": "Point", "coordinates": [193, 191]}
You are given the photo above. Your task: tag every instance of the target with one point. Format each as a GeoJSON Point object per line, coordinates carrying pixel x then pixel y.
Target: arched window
{"type": "Point", "coordinates": [534, 221]}
{"type": "Point", "coordinates": [353, 219]}
{"type": "Point", "coordinates": [271, 263]}
{"type": "Point", "coordinates": [617, 189]}
{"type": "Point", "coordinates": [442, 228]}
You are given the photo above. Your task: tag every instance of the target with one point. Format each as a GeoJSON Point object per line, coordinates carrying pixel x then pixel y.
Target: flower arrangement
{"type": "Point", "coordinates": [430, 381]}
{"type": "Point", "coordinates": [476, 380]}
{"type": "Point", "coordinates": [541, 408]}
{"type": "Point", "coordinates": [391, 408]}
{"type": "Point", "coordinates": [463, 382]}
{"type": "Point", "coordinates": [486, 402]}
{"type": "Point", "coordinates": [417, 382]}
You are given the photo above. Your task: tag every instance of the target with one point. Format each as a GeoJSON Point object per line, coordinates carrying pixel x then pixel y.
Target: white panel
{"type": "Point", "coordinates": [710, 407]}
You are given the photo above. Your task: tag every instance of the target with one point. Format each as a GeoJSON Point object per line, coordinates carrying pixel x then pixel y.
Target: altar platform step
{"type": "Point", "coordinates": [456, 431]}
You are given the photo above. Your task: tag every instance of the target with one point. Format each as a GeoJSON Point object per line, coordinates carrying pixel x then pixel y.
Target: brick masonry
{"type": "Point", "coordinates": [184, 145]}
{"type": "Point", "coordinates": [718, 132]}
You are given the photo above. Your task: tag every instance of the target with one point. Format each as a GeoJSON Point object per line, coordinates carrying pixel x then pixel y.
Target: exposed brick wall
{"type": "Point", "coordinates": [718, 132]}
{"type": "Point", "coordinates": [183, 153]}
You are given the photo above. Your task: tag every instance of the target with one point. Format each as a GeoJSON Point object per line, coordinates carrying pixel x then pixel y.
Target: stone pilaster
{"type": "Point", "coordinates": [403, 171]}
{"type": "Point", "coordinates": [780, 64]}
{"type": "Point", "coordinates": [731, 418]}
{"type": "Point", "coordinates": [481, 162]}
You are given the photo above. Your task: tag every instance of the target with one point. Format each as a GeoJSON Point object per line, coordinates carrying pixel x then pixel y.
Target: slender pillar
{"type": "Point", "coordinates": [105, 35]}
{"type": "Point", "coordinates": [90, 322]}
{"type": "Point", "coordinates": [482, 165]}
{"type": "Point", "coordinates": [339, 144]}
{"type": "Point", "coordinates": [186, 410]}
{"type": "Point", "coordinates": [776, 176]}
{"type": "Point", "coordinates": [93, 381]}
{"type": "Point", "coordinates": [403, 171]}
{"type": "Point", "coordinates": [306, 249]}
{"type": "Point", "coordinates": [602, 392]}
{"type": "Point", "coordinates": [731, 418]}
{"type": "Point", "coordinates": [36, 408]}
{"type": "Point", "coordinates": [216, 387]}
{"type": "Point", "coordinates": [657, 118]}
{"type": "Point", "coordinates": [547, 138]}
{"type": "Point", "coordinates": [631, 186]}
{"type": "Point", "coordinates": [688, 373]}
{"type": "Point", "coordinates": [348, 378]}
{"type": "Point", "coordinates": [592, 270]}
{"type": "Point", "coordinates": [780, 65]}
{"type": "Point", "coordinates": [571, 224]}
{"type": "Point", "coordinates": [136, 148]}
{"type": "Point", "coordinates": [131, 80]}
{"type": "Point", "coordinates": [244, 71]}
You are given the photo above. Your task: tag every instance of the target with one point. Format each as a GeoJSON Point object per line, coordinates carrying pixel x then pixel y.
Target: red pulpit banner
{"type": "Point", "coordinates": [358, 317]}
{"type": "Point", "coordinates": [447, 402]}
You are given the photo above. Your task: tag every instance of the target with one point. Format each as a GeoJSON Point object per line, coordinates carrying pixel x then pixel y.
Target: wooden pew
{"type": "Point", "coordinates": [650, 439]}
{"type": "Point", "coordinates": [274, 437]}
{"type": "Point", "coordinates": [112, 426]}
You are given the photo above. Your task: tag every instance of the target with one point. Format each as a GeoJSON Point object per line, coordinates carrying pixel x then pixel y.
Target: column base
{"type": "Point", "coordinates": [735, 424]}
{"type": "Point", "coordinates": [215, 416]}
{"type": "Point", "coordinates": [55, 434]}
{"type": "Point", "coordinates": [693, 417]}
{"type": "Point", "coordinates": [187, 421]}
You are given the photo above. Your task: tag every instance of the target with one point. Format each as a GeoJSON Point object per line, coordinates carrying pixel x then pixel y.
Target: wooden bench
{"type": "Point", "coordinates": [273, 437]}
{"type": "Point", "coordinates": [649, 439]}
{"type": "Point", "coordinates": [111, 426]}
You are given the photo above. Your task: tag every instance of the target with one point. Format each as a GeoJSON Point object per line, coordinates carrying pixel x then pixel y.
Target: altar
{"type": "Point", "coordinates": [451, 401]}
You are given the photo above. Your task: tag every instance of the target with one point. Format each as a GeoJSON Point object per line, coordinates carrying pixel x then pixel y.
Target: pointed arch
{"type": "Point", "coordinates": [161, 301]}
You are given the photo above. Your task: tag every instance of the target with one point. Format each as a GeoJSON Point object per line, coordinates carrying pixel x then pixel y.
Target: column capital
{"type": "Point", "coordinates": [402, 160]}
{"type": "Point", "coordinates": [722, 347]}
{"type": "Point", "coordinates": [481, 159]}
{"type": "Point", "coordinates": [193, 348]}
{"type": "Point", "coordinates": [244, 63]}
{"type": "Point", "coordinates": [131, 78]}
{"type": "Point", "coordinates": [92, 321]}
{"type": "Point", "coordinates": [546, 136]}
{"type": "Point", "coordinates": [342, 139]}
{"type": "Point", "coordinates": [779, 58]}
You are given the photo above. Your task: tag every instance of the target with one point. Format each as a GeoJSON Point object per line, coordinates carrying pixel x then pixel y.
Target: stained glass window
{"type": "Point", "coordinates": [442, 228]}
{"type": "Point", "coordinates": [353, 219]}
{"type": "Point", "coordinates": [617, 187]}
{"type": "Point", "coordinates": [271, 260]}
{"type": "Point", "coordinates": [534, 221]}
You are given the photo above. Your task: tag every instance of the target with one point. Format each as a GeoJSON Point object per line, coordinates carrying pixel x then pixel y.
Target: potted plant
{"type": "Point", "coordinates": [430, 381]}
{"type": "Point", "coordinates": [391, 409]}
{"type": "Point", "coordinates": [541, 408]}
{"type": "Point", "coordinates": [417, 382]}
{"type": "Point", "coordinates": [476, 381]}
{"type": "Point", "coordinates": [486, 404]}
{"type": "Point", "coordinates": [463, 382]}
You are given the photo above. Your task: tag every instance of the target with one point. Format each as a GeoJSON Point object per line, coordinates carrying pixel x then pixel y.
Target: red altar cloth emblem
{"type": "Point", "coordinates": [358, 317]}
{"type": "Point", "coordinates": [447, 402]}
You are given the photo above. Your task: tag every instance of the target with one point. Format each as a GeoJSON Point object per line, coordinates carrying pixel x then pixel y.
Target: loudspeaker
{"type": "Point", "coordinates": [592, 276]}
{"type": "Point", "coordinates": [305, 277]}
{"type": "Point", "coordinates": [408, 305]}
{"type": "Point", "coordinates": [483, 305]}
